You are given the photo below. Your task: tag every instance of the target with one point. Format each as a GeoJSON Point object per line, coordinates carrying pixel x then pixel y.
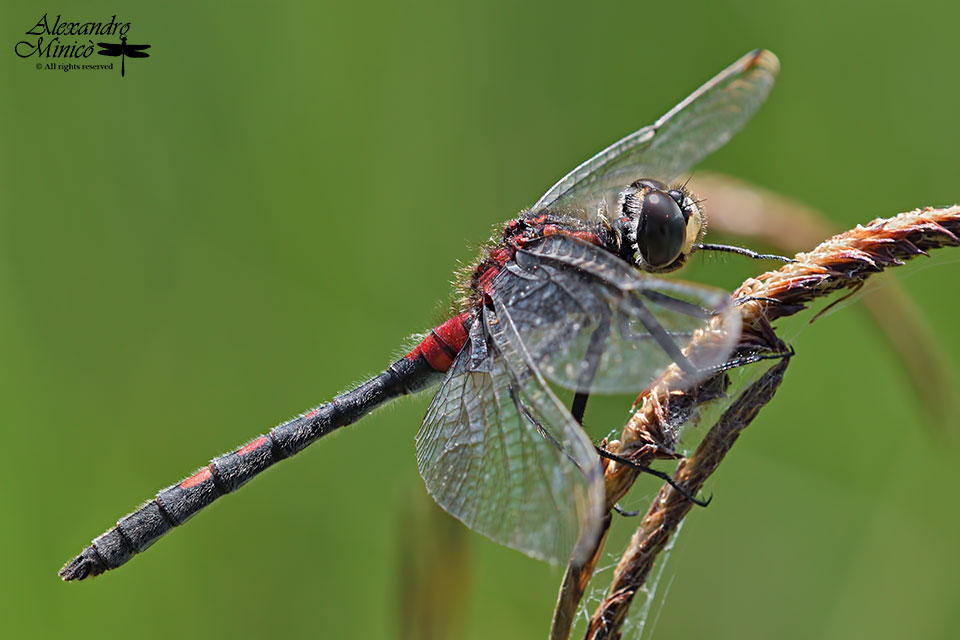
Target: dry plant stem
{"type": "Point", "coordinates": [574, 584]}
{"type": "Point", "coordinates": [847, 259]}
{"type": "Point", "coordinates": [744, 210]}
{"type": "Point", "coordinates": [843, 261]}
{"type": "Point", "coordinates": [669, 508]}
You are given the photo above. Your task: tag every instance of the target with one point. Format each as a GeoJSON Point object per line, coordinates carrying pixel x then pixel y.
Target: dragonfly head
{"type": "Point", "coordinates": [658, 225]}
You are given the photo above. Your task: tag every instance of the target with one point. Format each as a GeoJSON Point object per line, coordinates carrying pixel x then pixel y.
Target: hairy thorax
{"type": "Point", "coordinates": [473, 281]}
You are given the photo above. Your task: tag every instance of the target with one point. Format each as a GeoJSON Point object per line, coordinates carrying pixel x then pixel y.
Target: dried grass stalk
{"type": "Point", "coordinates": [843, 261]}
{"type": "Point", "coordinates": [669, 508]}
{"type": "Point", "coordinates": [757, 215]}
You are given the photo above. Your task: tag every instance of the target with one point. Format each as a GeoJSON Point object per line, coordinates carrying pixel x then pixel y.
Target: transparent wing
{"type": "Point", "coordinates": [591, 322]}
{"type": "Point", "coordinates": [499, 451]}
{"type": "Point", "coordinates": [675, 143]}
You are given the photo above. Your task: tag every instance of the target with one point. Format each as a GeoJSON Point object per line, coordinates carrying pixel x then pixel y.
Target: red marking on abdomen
{"type": "Point", "coordinates": [311, 414]}
{"type": "Point", "coordinates": [253, 446]}
{"type": "Point", "coordinates": [443, 344]}
{"type": "Point", "coordinates": [198, 478]}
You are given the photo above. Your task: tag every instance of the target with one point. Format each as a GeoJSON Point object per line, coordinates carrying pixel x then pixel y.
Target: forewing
{"type": "Point", "coordinates": [499, 451]}
{"type": "Point", "coordinates": [591, 322]}
{"type": "Point", "coordinates": [675, 143]}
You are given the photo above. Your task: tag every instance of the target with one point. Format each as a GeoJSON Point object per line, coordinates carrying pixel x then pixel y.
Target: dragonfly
{"type": "Point", "coordinates": [569, 297]}
{"type": "Point", "coordinates": [123, 50]}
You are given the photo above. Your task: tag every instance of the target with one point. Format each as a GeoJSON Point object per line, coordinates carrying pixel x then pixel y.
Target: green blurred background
{"type": "Point", "coordinates": [260, 213]}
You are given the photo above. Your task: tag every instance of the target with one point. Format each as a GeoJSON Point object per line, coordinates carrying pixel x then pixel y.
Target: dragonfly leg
{"type": "Point", "coordinates": [579, 405]}
{"type": "Point", "coordinates": [625, 513]}
{"type": "Point", "coordinates": [656, 474]}
{"type": "Point", "coordinates": [742, 361]}
{"type": "Point", "coordinates": [592, 360]}
{"type": "Point", "coordinates": [656, 330]}
{"type": "Point", "coordinates": [675, 304]}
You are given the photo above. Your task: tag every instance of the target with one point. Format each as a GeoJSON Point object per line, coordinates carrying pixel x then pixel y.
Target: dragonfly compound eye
{"type": "Point", "coordinates": [661, 229]}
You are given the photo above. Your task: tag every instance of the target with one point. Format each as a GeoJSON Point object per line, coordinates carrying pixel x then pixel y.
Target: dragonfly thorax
{"type": "Point", "coordinates": [659, 225]}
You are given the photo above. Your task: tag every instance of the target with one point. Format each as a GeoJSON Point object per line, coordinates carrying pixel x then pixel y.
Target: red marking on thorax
{"type": "Point", "coordinates": [198, 478]}
{"type": "Point", "coordinates": [253, 446]}
{"type": "Point", "coordinates": [443, 344]}
{"type": "Point", "coordinates": [519, 233]}
{"type": "Point", "coordinates": [501, 255]}
{"type": "Point", "coordinates": [483, 282]}
{"type": "Point", "coordinates": [446, 340]}
{"type": "Point", "coordinates": [487, 270]}
{"type": "Point", "coordinates": [587, 236]}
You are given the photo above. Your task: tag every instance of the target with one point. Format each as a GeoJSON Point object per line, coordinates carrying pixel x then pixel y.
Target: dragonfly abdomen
{"type": "Point", "coordinates": [225, 474]}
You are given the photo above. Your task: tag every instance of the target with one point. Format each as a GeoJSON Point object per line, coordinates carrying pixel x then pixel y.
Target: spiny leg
{"type": "Point", "coordinates": [655, 473]}
{"type": "Point", "coordinates": [660, 335]}
{"type": "Point", "coordinates": [676, 305]}
{"type": "Point", "coordinates": [592, 357]}
{"type": "Point", "coordinates": [592, 360]}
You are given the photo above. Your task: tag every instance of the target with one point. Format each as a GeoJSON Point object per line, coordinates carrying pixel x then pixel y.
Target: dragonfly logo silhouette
{"type": "Point", "coordinates": [123, 50]}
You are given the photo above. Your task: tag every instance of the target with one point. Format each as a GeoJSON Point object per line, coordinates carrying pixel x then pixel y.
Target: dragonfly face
{"type": "Point", "coordinates": [659, 225]}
